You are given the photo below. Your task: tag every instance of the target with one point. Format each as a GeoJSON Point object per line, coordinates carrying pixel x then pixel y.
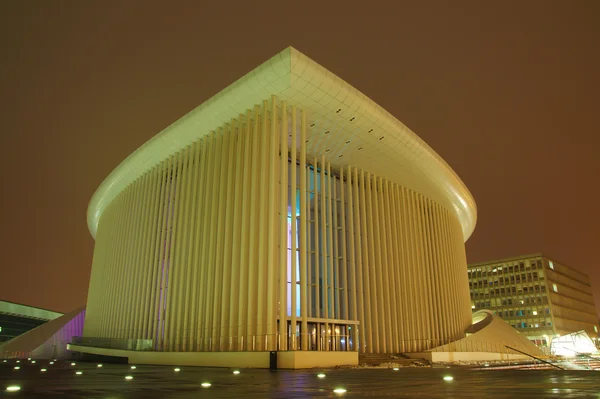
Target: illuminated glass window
{"type": "Point", "coordinates": [551, 265]}
{"type": "Point", "coordinates": [554, 287]}
{"type": "Point", "coordinates": [596, 328]}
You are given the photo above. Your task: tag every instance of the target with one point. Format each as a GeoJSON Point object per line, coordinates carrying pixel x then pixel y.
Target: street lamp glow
{"type": "Point", "coordinates": [448, 378]}
{"type": "Point", "coordinates": [205, 384]}
{"type": "Point", "coordinates": [13, 388]}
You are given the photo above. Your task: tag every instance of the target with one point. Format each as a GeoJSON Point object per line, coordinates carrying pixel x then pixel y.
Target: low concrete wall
{"type": "Point", "coordinates": [207, 359]}
{"type": "Point", "coordinates": [311, 359]}
{"type": "Point", "coordinates": [449, 357]}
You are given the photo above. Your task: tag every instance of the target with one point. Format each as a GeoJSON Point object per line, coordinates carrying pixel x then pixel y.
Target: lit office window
{"type": "Point", "coordinates": [551, 265]}
{"type": "Point", "coordinates": [554, 287]}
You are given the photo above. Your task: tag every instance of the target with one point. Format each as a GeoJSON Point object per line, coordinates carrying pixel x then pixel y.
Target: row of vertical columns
{"type": "Point", "coordinates": [194, 256]}
{"type": "Point", "coordinates": [407, 291]}
{"type": "Point", "coordinates": [183, 253]}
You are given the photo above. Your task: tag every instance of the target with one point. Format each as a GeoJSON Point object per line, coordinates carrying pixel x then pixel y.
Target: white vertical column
{"type": "Point", "coordinates": [247, 234]}
{"type": "Point", "coordinates": [293, 244]}
{"type": "Point", "coordinates": [283, 229]}
{"type": "Point", "coordinates": [303, 233]}
{"type": "Point", "coordinates": [272, 229]}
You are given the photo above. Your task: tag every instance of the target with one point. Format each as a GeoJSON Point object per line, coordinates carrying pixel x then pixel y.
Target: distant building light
{"type": "Point", "coordinates": [129, 377]}
{"type": "Point", "coordinates": [551, 265]}
{"type": "Point", "coordinates": [554, 287]}
{"type": "Point", "coordinates": [205, 384]}
{"type": "Point", "coordinates": [13, 388]}
{"type": "Point", "coordinates": [535, 312]}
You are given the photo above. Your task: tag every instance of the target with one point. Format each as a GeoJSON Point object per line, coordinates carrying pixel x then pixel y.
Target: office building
{"type": "Point", "coordinates": [542, 298]}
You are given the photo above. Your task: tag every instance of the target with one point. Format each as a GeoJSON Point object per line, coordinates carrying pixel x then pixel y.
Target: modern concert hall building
{"type": "Point", "coordinates": [289, 213]}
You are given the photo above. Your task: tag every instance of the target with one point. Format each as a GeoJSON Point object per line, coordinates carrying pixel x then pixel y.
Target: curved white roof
{"type": "Point", "coordinates": [344, 123]}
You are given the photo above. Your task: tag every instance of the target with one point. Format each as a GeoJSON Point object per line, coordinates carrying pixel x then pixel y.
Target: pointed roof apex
{"type": "Point", "coordinates": [366, 136]}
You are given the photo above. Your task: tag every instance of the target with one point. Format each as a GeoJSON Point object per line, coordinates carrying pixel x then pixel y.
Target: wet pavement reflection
{"type": "Point", "coordinates": [109, 381]}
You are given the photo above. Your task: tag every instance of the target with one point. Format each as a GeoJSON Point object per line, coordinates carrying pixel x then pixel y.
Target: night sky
{"type": "Point", "coordinates": [505, 91]}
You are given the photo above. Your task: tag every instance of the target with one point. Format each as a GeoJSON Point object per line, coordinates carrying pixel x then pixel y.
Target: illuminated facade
{"type": "Point", "coordinates": [539, 297]}
{"type": "Point", "coordinates": [287, 213]}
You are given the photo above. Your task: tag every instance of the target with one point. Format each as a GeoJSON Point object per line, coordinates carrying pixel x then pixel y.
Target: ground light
{"type": "Point", "coordinates": [396, 368]}
{"type": "Point", "coordinates": [339, 391]}
{"type": "Point", "coordinates": [17, 367]}
{"type": "Point", "coordinates": [51, 363]}
{"type": "Point", "coordinates": [99, 366]}
{"type": "Point", "coordinates": [133, 367]}
{"type": "Point", "coordinates": [33, 361]}
{"type": "Point", "coordinates": [448, 378]}
{"type": "Point", "coordinates": [13, 388]}
{"type": "Point", "coordinates": [18, 361]}
{"type": "Point", "coordinates": [43, 370]}
{"type": "Point", "coordinates": [72, 364]}
{"type": "Point", "coordinates": [205, 384]}
{"type": "Point", "coordinates": [28, 358]}
{"type": "Point", "coordinates": [321, 375]}
{"type": "Point", "coordinates": [129, 377]}
{"type": "Point", "coordinates": [177, 369]}
{"type": "Point", "coordinates": [79, 372]}
{"type": "Point", "coordinates": [236, 371]}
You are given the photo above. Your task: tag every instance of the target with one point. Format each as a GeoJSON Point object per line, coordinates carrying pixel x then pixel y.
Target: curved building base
{"type": "Point", "coordinates": [285, 359]}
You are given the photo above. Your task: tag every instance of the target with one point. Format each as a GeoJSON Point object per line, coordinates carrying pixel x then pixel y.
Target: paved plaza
{"type": "Point", "coordinates": [60, 380]}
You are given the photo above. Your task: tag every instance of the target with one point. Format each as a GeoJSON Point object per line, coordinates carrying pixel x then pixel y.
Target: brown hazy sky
{"type": "Point", "coordinates": [505, 91]}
